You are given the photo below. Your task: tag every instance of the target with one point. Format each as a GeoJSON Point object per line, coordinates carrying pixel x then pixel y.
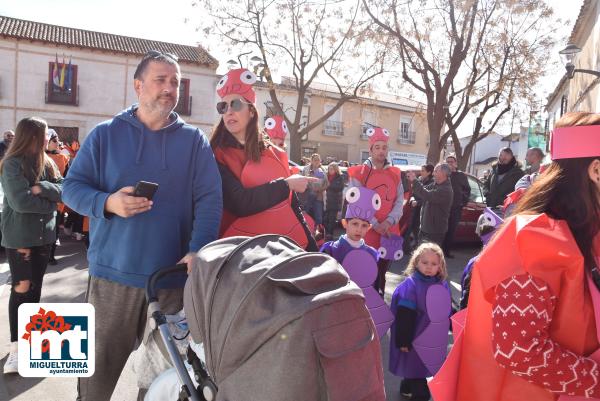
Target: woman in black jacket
{"type": "Point", "coordinates": [333, 201]}
{"type": "Point", "coordinates": [32, 187]}
{"type": "Point", "coordinates": [426, 178]}
{"type": "Point", "coordinates": [258, 189]}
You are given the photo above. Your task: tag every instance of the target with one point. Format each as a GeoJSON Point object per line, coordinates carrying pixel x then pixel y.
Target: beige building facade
{"type": "Point", "coordinates": [342, 136]}
{"type": "Point", "coordinates": [582, 92]}
{"type": "Point", "coordinates": [102, 68]}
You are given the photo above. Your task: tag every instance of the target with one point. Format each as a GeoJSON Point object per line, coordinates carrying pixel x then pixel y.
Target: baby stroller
{"type": "Point", "coordinates": [201, 388]}
{"type": "Point", "coordinates": [278, 324]}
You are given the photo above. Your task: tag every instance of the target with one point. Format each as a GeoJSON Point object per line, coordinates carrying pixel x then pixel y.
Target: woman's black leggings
{"type": "Point", "coordinates": [31, 268]}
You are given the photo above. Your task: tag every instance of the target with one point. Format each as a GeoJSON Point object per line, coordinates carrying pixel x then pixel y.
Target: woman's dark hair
{"type": "Point", "coordinates": [507, 150]}
{"type": "Point", "coordinates": [553, 192]}
{"type": "Point", "coordinates": [29, 144]}
{"type": "Point", "coordinates": [254, 138]}
{"type": "Point", "coordinates": [428, 167]}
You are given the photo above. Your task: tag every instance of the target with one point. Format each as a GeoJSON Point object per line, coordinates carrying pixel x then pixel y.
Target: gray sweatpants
{"type": "Point", "coordinates": [121, 322]}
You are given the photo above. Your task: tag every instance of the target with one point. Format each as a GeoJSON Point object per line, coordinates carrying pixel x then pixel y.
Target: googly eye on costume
{"type": "Point", "coordinates": [398, 254]}
{"type": "Point", "coordinates": [489, 219]}
{"type": "Point", "coordinates": [270, 123]}
{"type": "Point", "coordinates": [370, 131]}
{"type": "Point", "coordinates": [284, 126]}
{"type": "Point", "coordinates": [376, 201]}
{"type": "Point", "coordinates": [222, 82]}
{"type": "Point", "coordinates": [386, 132]}
{"type": "Point", "coordinates": [352, 195]}
{"type": "Point", "coordinates": [248, 77]}
{"type": "Point", "coordinates": [382, 252]}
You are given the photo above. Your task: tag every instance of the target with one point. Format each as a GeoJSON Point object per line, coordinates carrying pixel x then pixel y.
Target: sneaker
{"type": "Point", "coordinates": [12, 362]}
{"type": "Point", "coordinates": [78, 236]}
{"type": "Point", "coordinates": [67, 231]}
{"type": "Point", "coordinates": [57, 242]}
{"type": "Point", "coordinates": [52, 261]}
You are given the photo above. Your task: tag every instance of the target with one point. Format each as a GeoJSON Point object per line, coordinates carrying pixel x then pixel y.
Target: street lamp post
{"type": "Point", "coordinates": [255, 63]}
{"type": "Point", "coordinates": [569, 54]}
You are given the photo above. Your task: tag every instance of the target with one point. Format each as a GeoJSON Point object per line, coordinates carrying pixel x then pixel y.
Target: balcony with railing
{"type": "Point", "coordinates": [406, 137]}
{"type": "Point", "coordinates": [363, 131]}
{"type": "Point", "coordinates": [333, 128]}
{"type": "Point", "coordinates": [53, 95]}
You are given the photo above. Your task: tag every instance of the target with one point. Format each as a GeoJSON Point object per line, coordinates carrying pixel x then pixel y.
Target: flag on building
{"type": "Point", "coordinates": [536, 137]}
{"type": "Point", "coordinates": [69, 76]}
{"type": "Point", "coordinates": [55, 78]}
{"type": "Point", "coordinates": [62, 74]}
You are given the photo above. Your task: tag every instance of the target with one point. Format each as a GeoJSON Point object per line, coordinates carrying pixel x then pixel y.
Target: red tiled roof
{"type": "Point", "coordinates": [37, 31]}
{"type": "Point", "coordinates": [583, 11]}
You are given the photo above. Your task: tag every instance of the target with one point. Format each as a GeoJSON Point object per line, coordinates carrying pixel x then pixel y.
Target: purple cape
{"type": "Point", "coordinates": [361, 265]}
{"type": "Point", "coordinates": [432, 300]}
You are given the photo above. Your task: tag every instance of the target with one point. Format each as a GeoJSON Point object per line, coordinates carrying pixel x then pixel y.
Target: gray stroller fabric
{"type": "Point", "coordinates": [281, 324]}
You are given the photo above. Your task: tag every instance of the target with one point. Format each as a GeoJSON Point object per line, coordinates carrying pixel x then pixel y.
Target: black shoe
{"type": "Point", "coordinates": [52, 261]}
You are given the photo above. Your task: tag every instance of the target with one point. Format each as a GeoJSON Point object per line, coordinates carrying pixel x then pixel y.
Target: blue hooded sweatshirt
{"type": "Point", "coordinates": [187, 206]}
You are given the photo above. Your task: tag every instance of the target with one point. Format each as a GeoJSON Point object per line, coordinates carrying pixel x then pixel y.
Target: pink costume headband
{"type": "Point", "coordinates": [575, 142]}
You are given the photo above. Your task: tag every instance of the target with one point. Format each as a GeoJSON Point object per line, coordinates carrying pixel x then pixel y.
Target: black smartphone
{"type": "Point", "coordinates": [145, 189]}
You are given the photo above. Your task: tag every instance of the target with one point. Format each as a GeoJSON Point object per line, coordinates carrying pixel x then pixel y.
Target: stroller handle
{"type": "Point", "coordinates": [157, 275]}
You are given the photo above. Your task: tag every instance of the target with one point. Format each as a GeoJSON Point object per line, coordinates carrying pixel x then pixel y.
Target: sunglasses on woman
{"type": "Point", "coordinates": [235, 104]}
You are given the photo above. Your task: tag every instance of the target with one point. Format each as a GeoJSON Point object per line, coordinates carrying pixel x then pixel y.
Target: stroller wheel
{"type": "Point", "coordinates": [209, 391]}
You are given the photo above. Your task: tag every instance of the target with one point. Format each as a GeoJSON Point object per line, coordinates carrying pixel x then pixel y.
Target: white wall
{"type": "Point", "coordinates": [105, 83]}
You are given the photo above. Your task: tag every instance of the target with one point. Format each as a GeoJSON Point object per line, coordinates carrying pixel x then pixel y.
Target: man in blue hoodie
{"type": "Point", "coordinates": [131, 237]}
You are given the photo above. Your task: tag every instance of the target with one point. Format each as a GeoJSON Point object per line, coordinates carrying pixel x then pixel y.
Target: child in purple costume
{"type": "Point", "coordinates": [359, 259]}
{"type": "Point", "coordinates": [362, 205]}
{"type": "Point", "coordinates": [421, 305]}
{"type": "Point", "coordinates": [487, 224]}
{"type": "Point", "coordinates": [349, 242]}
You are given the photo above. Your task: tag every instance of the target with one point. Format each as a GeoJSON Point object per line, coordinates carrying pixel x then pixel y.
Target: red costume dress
{"type": "Point", "coordinates": [530, 320]}
{"type": "Point", "coordinates": [385, 182]}
{"type": "Point", "coordinates": [279, 219]}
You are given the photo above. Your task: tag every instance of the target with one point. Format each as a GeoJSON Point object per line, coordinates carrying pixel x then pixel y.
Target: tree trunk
{"type": "Point", "coordinates": [433, 154]}
{"type": "Point", "coordinates": [295, 146]}
{"type": "Point", "coordinates": [462, 161]}
{"type": "Point", "coordinates": [435, 130]}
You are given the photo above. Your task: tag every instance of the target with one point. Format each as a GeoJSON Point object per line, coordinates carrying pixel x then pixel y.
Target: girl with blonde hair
{"type": "Point", "coordinates": [421, 305]}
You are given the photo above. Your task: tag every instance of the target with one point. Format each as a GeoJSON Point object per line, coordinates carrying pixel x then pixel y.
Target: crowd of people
{"type": "Point", "coordinates": [520, 338]}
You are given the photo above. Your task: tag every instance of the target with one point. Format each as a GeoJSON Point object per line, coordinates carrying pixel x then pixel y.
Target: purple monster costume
{"type": "Point", "coordinates": [432, 300]}
{"type": "Point", "coordinates": [391, 247]}
{"type": "Point", "coordinates": [360, 260]}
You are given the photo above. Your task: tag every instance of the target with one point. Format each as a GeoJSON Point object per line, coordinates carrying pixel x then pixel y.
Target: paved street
{"type": "Point", "coordinates": [67, 282]}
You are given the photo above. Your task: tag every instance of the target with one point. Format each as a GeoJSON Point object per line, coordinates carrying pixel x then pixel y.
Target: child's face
{"type": "Point", "coordinates": [429, 264]}
{"type": "Point", "coordinates": [356, 229]}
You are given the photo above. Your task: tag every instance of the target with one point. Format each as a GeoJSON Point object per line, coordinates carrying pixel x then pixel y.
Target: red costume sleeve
{"type": "Point", "coordinates": [522, 315]}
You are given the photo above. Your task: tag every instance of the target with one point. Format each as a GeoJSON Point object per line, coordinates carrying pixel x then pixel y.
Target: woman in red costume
{"type": "Point", "coordinates": [377, 174]}
{"type": "Point", "coordinates": [532, 328]}
{"type": "Point", "coordinates": [258, 190]}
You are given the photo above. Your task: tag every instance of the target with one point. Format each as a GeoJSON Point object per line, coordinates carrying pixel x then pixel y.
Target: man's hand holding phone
{"type": "Point", "coordinates": [123, 204]}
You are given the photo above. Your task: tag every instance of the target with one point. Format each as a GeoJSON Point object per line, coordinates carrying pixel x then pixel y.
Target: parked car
{"type": "Point", "coordinates": [465, 232]}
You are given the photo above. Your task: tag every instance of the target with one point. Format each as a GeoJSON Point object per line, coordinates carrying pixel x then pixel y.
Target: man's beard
{"type": "Point", "coordinates": [164, 110]}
